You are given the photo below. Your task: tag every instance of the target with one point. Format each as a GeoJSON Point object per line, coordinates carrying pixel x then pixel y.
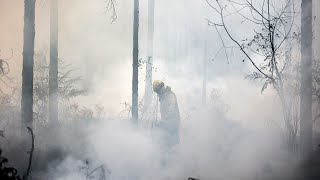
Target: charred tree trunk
{"type": "Point", "coordinates": [135, 63]}
{"type": "Point", "coordinates": [53, 71]}
{"type": "Point", "coordinates": [306, 79]}
{"type": "Point", "coordinates": [149, 65]}
{"type": "Point", "coordinates": [28, 61]}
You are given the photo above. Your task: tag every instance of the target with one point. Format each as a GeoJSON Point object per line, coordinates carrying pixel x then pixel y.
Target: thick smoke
{"type": "Point", "coordinates": [212, 146]}
{"type": "Point", "coordinates": [238, 135]}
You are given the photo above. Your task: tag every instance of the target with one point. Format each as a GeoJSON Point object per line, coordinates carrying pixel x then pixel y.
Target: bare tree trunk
{"type": "Point", "coordinates": [306, 79]}
{"type": "Point", "coordinates": [204, 82]}
{"type": "Point", "coordinates": [149, 65]}
{"type": "Point", "coordinates": [53, 71]}
{"type": "Point", "coordinates": [135, 64]}
{"type": "Point", "coordinates": [28, 62]}
{"type": "Point", "coordinates": [287, 100]}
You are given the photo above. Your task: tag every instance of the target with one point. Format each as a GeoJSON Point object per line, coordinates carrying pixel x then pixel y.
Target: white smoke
{"type": "Point", "coordinates": [234, 144]}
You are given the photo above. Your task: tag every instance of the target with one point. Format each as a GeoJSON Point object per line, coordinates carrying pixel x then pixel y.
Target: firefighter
{"type": "Point", "coordinates": [170, 117]}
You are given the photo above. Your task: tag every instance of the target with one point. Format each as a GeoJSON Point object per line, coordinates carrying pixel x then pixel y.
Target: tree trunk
{"type": "Point", "coordinates": [306, 79]}
{"type": "Point", "coordinates": [135, 64]}
{"type": "Point", "coordinates": [287, 103]}
{"type": "Point", "coordinates": [28, 61]}
{"type": "Point", "coordinates": [149, 65]}
{"type": "Point", "coordinates": [204, 82]}
{"type": "Point", "coordinates": [53, 71]}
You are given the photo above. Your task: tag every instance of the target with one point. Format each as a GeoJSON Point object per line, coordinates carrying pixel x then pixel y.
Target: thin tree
{"type": "Point", "coordinates": [53, 68]}
{"type": "Point", "coordinates": [149, 64]}
{"type": "Point", "coordinates": [271, 30]}
{"type": "Point", "coordinates": [28, 61]}
{"type": "Point", "coordinates": [135, 63]}
{"type": "Point", "coordinates": [205, 74]}
{"type": "Point", "coordinates": [306, 79]}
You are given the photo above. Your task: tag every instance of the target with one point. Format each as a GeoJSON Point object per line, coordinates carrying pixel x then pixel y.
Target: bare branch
{"type": "Point", "coordinates": [239, 45]}
{"type": "Point", "coordinates": [222, 43]}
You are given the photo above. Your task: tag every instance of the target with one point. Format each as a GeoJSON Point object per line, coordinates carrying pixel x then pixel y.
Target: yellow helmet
{"type": "Point", "coordinates": [157, 85]}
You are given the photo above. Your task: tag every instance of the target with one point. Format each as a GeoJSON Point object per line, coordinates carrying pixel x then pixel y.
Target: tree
{"type": "Point", "coordinates": [53, 72]}
{"type": "Point", "coordinates": [306, 79]}
{"type": "Point", "coordinates": [205, 74]}
{"type": "Point", "coordinates": [149, 64]}
{"type": "Point", "coordinates": [265, 50]}
{"type": "Point", "coordinates": [28, 61]}
{"type": "Point", "coordinates": [69, 88]}
{"type": "Point", "coordinates": [135, 64]}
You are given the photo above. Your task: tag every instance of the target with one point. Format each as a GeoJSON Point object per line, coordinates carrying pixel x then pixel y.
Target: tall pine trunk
{"type": "Point", "coordinates": [53, 71]}
{"type": "Point", "coordinates": [135, 63]}
{"type": "Point", "coordinates": [306, 79]}
{"type": "Point", "coordinates": [28, 62]}
{"type": "Point", "coordinates": [149, 65]}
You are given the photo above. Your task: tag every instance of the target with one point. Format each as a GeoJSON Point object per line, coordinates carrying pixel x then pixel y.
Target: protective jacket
{"type": "Point", "coordinates": [170, 116]}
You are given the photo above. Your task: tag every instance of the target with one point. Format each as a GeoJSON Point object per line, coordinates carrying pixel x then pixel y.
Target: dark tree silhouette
{"type": "Point", "coordinates": [7, 173]}
{"type": "Point", "coordinates": [306, 79]}
{"type": "Point", "coordinates": [28, 61]}
{"type": "Point", "coordinates": [135, 63]}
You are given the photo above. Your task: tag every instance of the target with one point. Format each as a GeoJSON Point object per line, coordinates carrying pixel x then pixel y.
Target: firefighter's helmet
{"type": "Point", "coordinates": [157, 85]}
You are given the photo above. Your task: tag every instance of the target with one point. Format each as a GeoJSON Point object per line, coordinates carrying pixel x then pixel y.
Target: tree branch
{"type": "Point", "coordinates": [26, 176]}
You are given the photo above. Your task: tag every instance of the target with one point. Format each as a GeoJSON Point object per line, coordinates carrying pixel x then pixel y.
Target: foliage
{"type": "Point", "coordinates": [271, 23]}
{"type": "Point", "coordinates": [111, 6]}
{"type": "Point", "coordinates": [69, 85]}
{"type": "Point", "coordinates": [5, 97]}
{"type": "Point", "coordinates": [148, 117]}
{"type": "Point", "coordinates": [4, 66]}
{"type": "Point", "coordinates": [271, 28]}
{"type": "Point", "coordinates": [7, 173]}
